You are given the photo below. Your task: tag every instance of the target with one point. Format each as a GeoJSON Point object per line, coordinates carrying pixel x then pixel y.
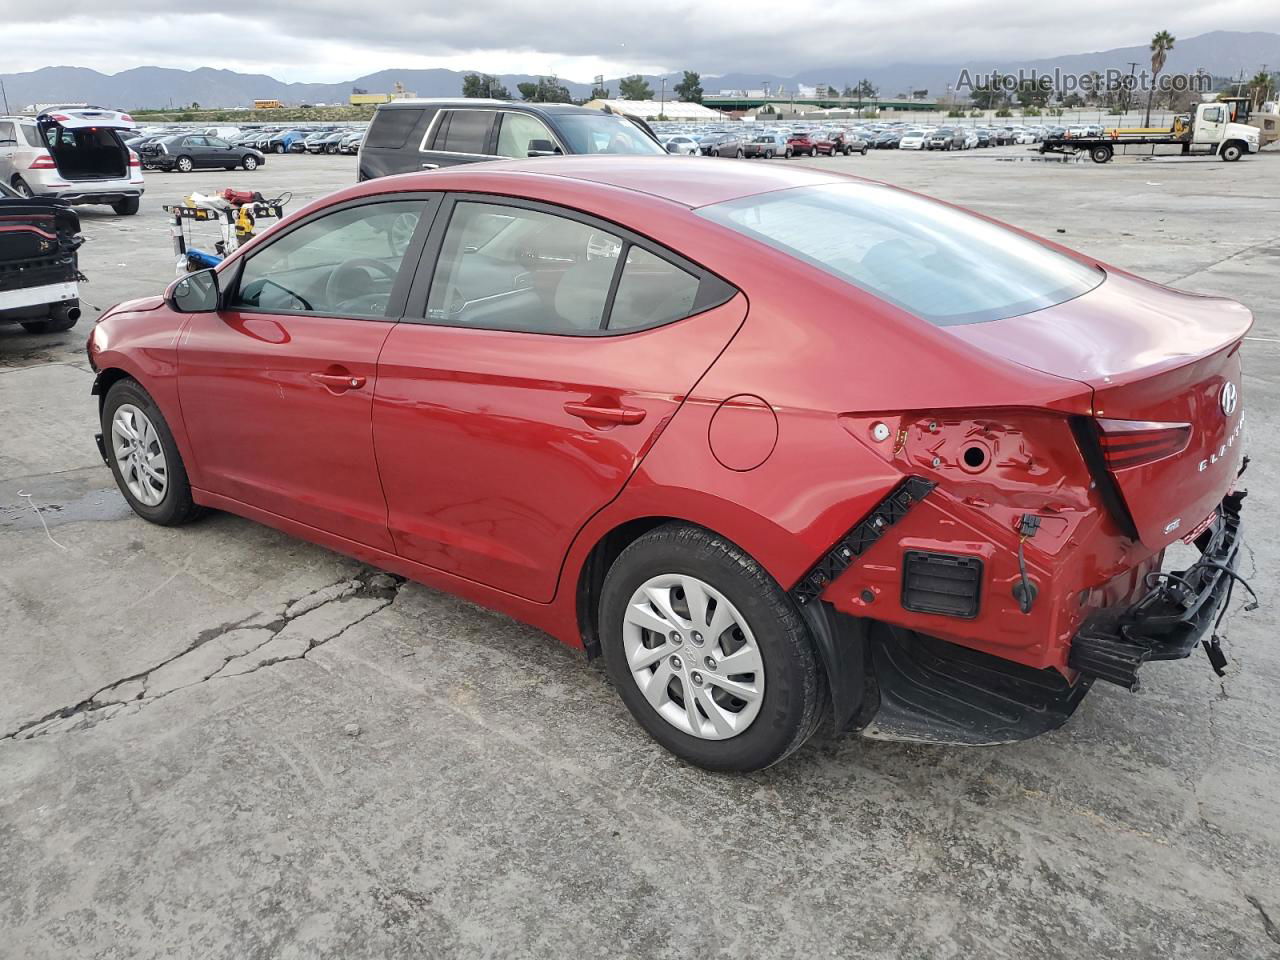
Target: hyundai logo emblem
{"type": "Point", "coordinates": [1229, 399]}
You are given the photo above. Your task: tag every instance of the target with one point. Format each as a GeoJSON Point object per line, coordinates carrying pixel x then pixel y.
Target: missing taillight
{"type": "Point", "coordinates": [1135, 443]}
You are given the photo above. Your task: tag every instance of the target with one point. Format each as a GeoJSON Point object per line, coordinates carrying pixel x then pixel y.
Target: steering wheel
{"type": "Point", "coordinates": [335, 290]}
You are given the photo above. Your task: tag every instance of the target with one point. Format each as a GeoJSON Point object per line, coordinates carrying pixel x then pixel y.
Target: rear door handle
{"type": "Point", "coordinates": [338, 381]}
{"type": "Point", "coordinates": [587, 411]}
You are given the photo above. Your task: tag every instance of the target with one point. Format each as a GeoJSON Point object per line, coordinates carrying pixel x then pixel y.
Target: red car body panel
{"type": "Point", "coordinates": [761, 430]}
{"type": "Point", "coordinates": [512, 473]}
{"type": "Point", "coordinates": [267, 430]}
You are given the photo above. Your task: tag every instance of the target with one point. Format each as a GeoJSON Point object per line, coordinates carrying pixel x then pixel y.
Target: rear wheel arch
{"type": "Point", "coordinates": [594, 569]}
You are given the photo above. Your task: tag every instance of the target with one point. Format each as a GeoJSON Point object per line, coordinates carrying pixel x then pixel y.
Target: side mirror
{"type": "Point", "coordinates": [195, 293]}
{"type": "Point", "coordinates": [542, 148]}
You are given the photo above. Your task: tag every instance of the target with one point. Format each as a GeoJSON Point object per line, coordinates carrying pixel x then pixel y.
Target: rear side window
{"type": "Point", "coordinates": [391, 128]}
{"type": "Point", "coordinates": [651, 291]}
{"type": "Point", "coordinates": [6, 131]}
{"type": "Point", "coordinates": [941, 264]}
{"type": "Point", "coordinates": [464, 131]}
{"type": "Point", "coordinates": [32, 135]}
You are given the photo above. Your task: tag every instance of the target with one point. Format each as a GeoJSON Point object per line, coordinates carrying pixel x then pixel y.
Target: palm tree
{"type": "Point", "coordinates": [1260, 86]}
{"type": "Point", "coordinates": [1161, 44]}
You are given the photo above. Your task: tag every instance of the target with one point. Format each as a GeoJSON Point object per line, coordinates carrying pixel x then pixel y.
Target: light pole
{"type": "Point", "coordinates": [662, 104]}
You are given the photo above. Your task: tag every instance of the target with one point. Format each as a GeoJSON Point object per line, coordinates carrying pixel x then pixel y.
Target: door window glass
{"type": "Point", "coordinates": [518, 130]}
{"type": "Point", "coordinates": [345, 263]}
{"type": "Point", "coordinates": [651, 292]}
{"type": "Point", "coordinates": [465, 131]}
{"type": "Point", "coordinates": [511, 268]}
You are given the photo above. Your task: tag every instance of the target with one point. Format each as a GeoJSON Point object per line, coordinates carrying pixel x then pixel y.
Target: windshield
{"type": "Point", "coordinates": [604, 133]}
{"type": "Point", "coordinates": [941, 264]}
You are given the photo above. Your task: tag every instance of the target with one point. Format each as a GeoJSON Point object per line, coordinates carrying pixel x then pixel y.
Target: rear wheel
{"type": "Point", "coordinates": [768, 154]}
{"type": "Point", "coordinates": [250, 163]}
{"type": "Point", "coordinates": [126, 207]}
{"type": "Point", "coordinates": [144, 458]}
{"type": "Point", "coordinates": [1100, 154]}
{"type": "Point", "coordinates": [184, 165]}
{"type": "Point", "coordinates": [707, 651]}
{"type": "Point", "coordinates": [21, 186]}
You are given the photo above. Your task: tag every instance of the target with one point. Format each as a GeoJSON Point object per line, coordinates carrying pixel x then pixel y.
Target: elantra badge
{"type": "Point", "coordinates": [1230, 396]}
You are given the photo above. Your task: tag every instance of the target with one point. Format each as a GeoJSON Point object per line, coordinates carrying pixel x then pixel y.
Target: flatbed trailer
{"type": "Point", "coordinates": [1216, 129]}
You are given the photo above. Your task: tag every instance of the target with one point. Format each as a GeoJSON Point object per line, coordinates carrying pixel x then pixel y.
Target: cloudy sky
{"type": "Point", "coordinates": [332, 40]}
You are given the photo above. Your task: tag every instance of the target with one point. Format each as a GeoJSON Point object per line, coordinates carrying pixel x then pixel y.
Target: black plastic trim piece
{"type": "Point", "coordinates": [931, 691]}
{"type": "Point", "coordinates": [1088, 439]}
{"type": "Point", "coordinates": [841, 640]}
{"type": "Point", "coordinates": [949, 584]}
{"type": "Point", "coordinates": [860, 539]}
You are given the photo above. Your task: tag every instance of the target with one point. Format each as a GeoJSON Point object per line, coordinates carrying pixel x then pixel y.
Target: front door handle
{"type": "Point", "coordinates": [587, 411]}
{"type": "Point", "coordinates": [338, 381]}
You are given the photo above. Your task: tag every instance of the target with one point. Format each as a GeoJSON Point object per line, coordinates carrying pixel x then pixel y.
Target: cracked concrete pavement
{"type": "Point", "coordinates": [220, 742]}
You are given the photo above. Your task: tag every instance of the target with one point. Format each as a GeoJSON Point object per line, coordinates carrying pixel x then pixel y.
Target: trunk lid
{"type": "Point", "coordinates": [1151, 355]}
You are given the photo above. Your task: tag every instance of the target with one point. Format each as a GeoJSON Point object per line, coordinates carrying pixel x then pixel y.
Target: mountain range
{"type": "Point", "coordinates": [1221, 53]}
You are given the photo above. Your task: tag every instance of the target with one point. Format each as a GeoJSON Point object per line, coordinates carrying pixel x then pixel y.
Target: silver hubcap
{"type": "Point", "coordinates": [139, 456]}
{"type": "Point", "coordinates": [693, 656]}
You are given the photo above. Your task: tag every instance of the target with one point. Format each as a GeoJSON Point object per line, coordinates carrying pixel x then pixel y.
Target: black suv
{"type": "Point", "coordinates": [412, 135]}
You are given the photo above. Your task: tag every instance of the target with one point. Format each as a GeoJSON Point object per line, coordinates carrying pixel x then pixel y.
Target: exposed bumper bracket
{"type": "Point", "coordinates": [1169, 622]}
{"type": "Point", "coordinates": [858, 540]}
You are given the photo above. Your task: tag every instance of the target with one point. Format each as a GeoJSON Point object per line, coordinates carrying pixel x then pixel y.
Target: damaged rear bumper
{"type": "Point", "coordinates": [1172, 619]}
{"type": "Point", "coordinates": [892, 683]}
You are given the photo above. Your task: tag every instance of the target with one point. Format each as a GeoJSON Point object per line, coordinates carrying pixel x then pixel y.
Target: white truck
{"type": "Point", "coordinates": [1217, 129]}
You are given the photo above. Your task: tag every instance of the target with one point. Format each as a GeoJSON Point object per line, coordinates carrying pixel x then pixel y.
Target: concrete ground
{"type": "Point", "coordinates": [232, 744]}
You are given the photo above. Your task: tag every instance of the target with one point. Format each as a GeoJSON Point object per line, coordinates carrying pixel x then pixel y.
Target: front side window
{"type": "Point", "coordinates": [344, 263]}
{"type": "Point", "coordinates": [604, 133]}
{"type": "Point", "coordinates": [943, 265]}
{"type": "Point", "coordinates": [511, 268]}
{"type": "Point", "coordinates": [518, 131]}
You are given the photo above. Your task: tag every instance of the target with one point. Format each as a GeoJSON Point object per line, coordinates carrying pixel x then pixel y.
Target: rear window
{"type": "Point", "coordinates": [391, 128]}
{"type": "Point", "coordinates": [943, 265]}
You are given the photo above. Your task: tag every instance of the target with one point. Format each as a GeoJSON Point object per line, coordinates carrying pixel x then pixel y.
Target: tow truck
{"type": "Point", "coordinates": [1218, 128]}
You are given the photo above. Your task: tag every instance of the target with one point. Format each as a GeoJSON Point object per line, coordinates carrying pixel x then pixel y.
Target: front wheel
{"type": "Point", "coordinates": [280, 148]}
{"type": "Point", "coordinates": [144, 457]}
{"type": "Point", "coordinates": [787, 155]}
{"type": "Point", "coordinates": [1231, 152]}
{"type": "Point", "coordinates": [864, 151]}
{"type": "Point", "coordinates": [768, 154]}
{"type": "Point", "coordinates": [707, 651]}
{"type": "Point", "coordinates": [250, 163]}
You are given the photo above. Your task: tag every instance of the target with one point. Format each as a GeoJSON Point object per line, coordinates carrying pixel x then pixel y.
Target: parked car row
{"type": "Point", "coordinates": [768, 144]}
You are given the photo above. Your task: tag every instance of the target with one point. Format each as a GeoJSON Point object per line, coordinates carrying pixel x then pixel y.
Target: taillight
{"type": "Point", "coordinates": [1134, 443]}
{"type": "Point", "coordinates": [126, 118]}
{"type": "Point", "coordinates": [43, 162]}
{"type": "Point", "coordinates": [133, 159]}
{"type": "Point", "coordinates": [59, 118]}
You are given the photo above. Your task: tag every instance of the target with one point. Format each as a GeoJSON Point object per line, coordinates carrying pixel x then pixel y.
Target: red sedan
{"type": "Point", "coordinates": [778, 444]}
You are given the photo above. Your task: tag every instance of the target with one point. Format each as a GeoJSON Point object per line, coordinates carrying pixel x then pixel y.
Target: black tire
{"type": "Point", "coordinates": [184, 164]}
{"type": "Point", "coordinates": [281, 148]}
{"type": "Point", "coordinates": [126, 207]}
{"type": "Point", "coordinates": [795, 692]}
{"type": "Point", "coordinates": [1231, 152]}
{"type": "Point", "coordinates": [176, 507]}
{"type": "Point", "coordinates": [768, 154]}
{"type": "Point", "coordinates": [249, 162]}
{"type": "Point", "coordinates": [1100, 154]}
{"type": "Point", "coordinates": [21, 186]}
{"type": "Point", "coordinates": [788, 154]}
{"type": "Point", "coordinates": [864, 151]}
